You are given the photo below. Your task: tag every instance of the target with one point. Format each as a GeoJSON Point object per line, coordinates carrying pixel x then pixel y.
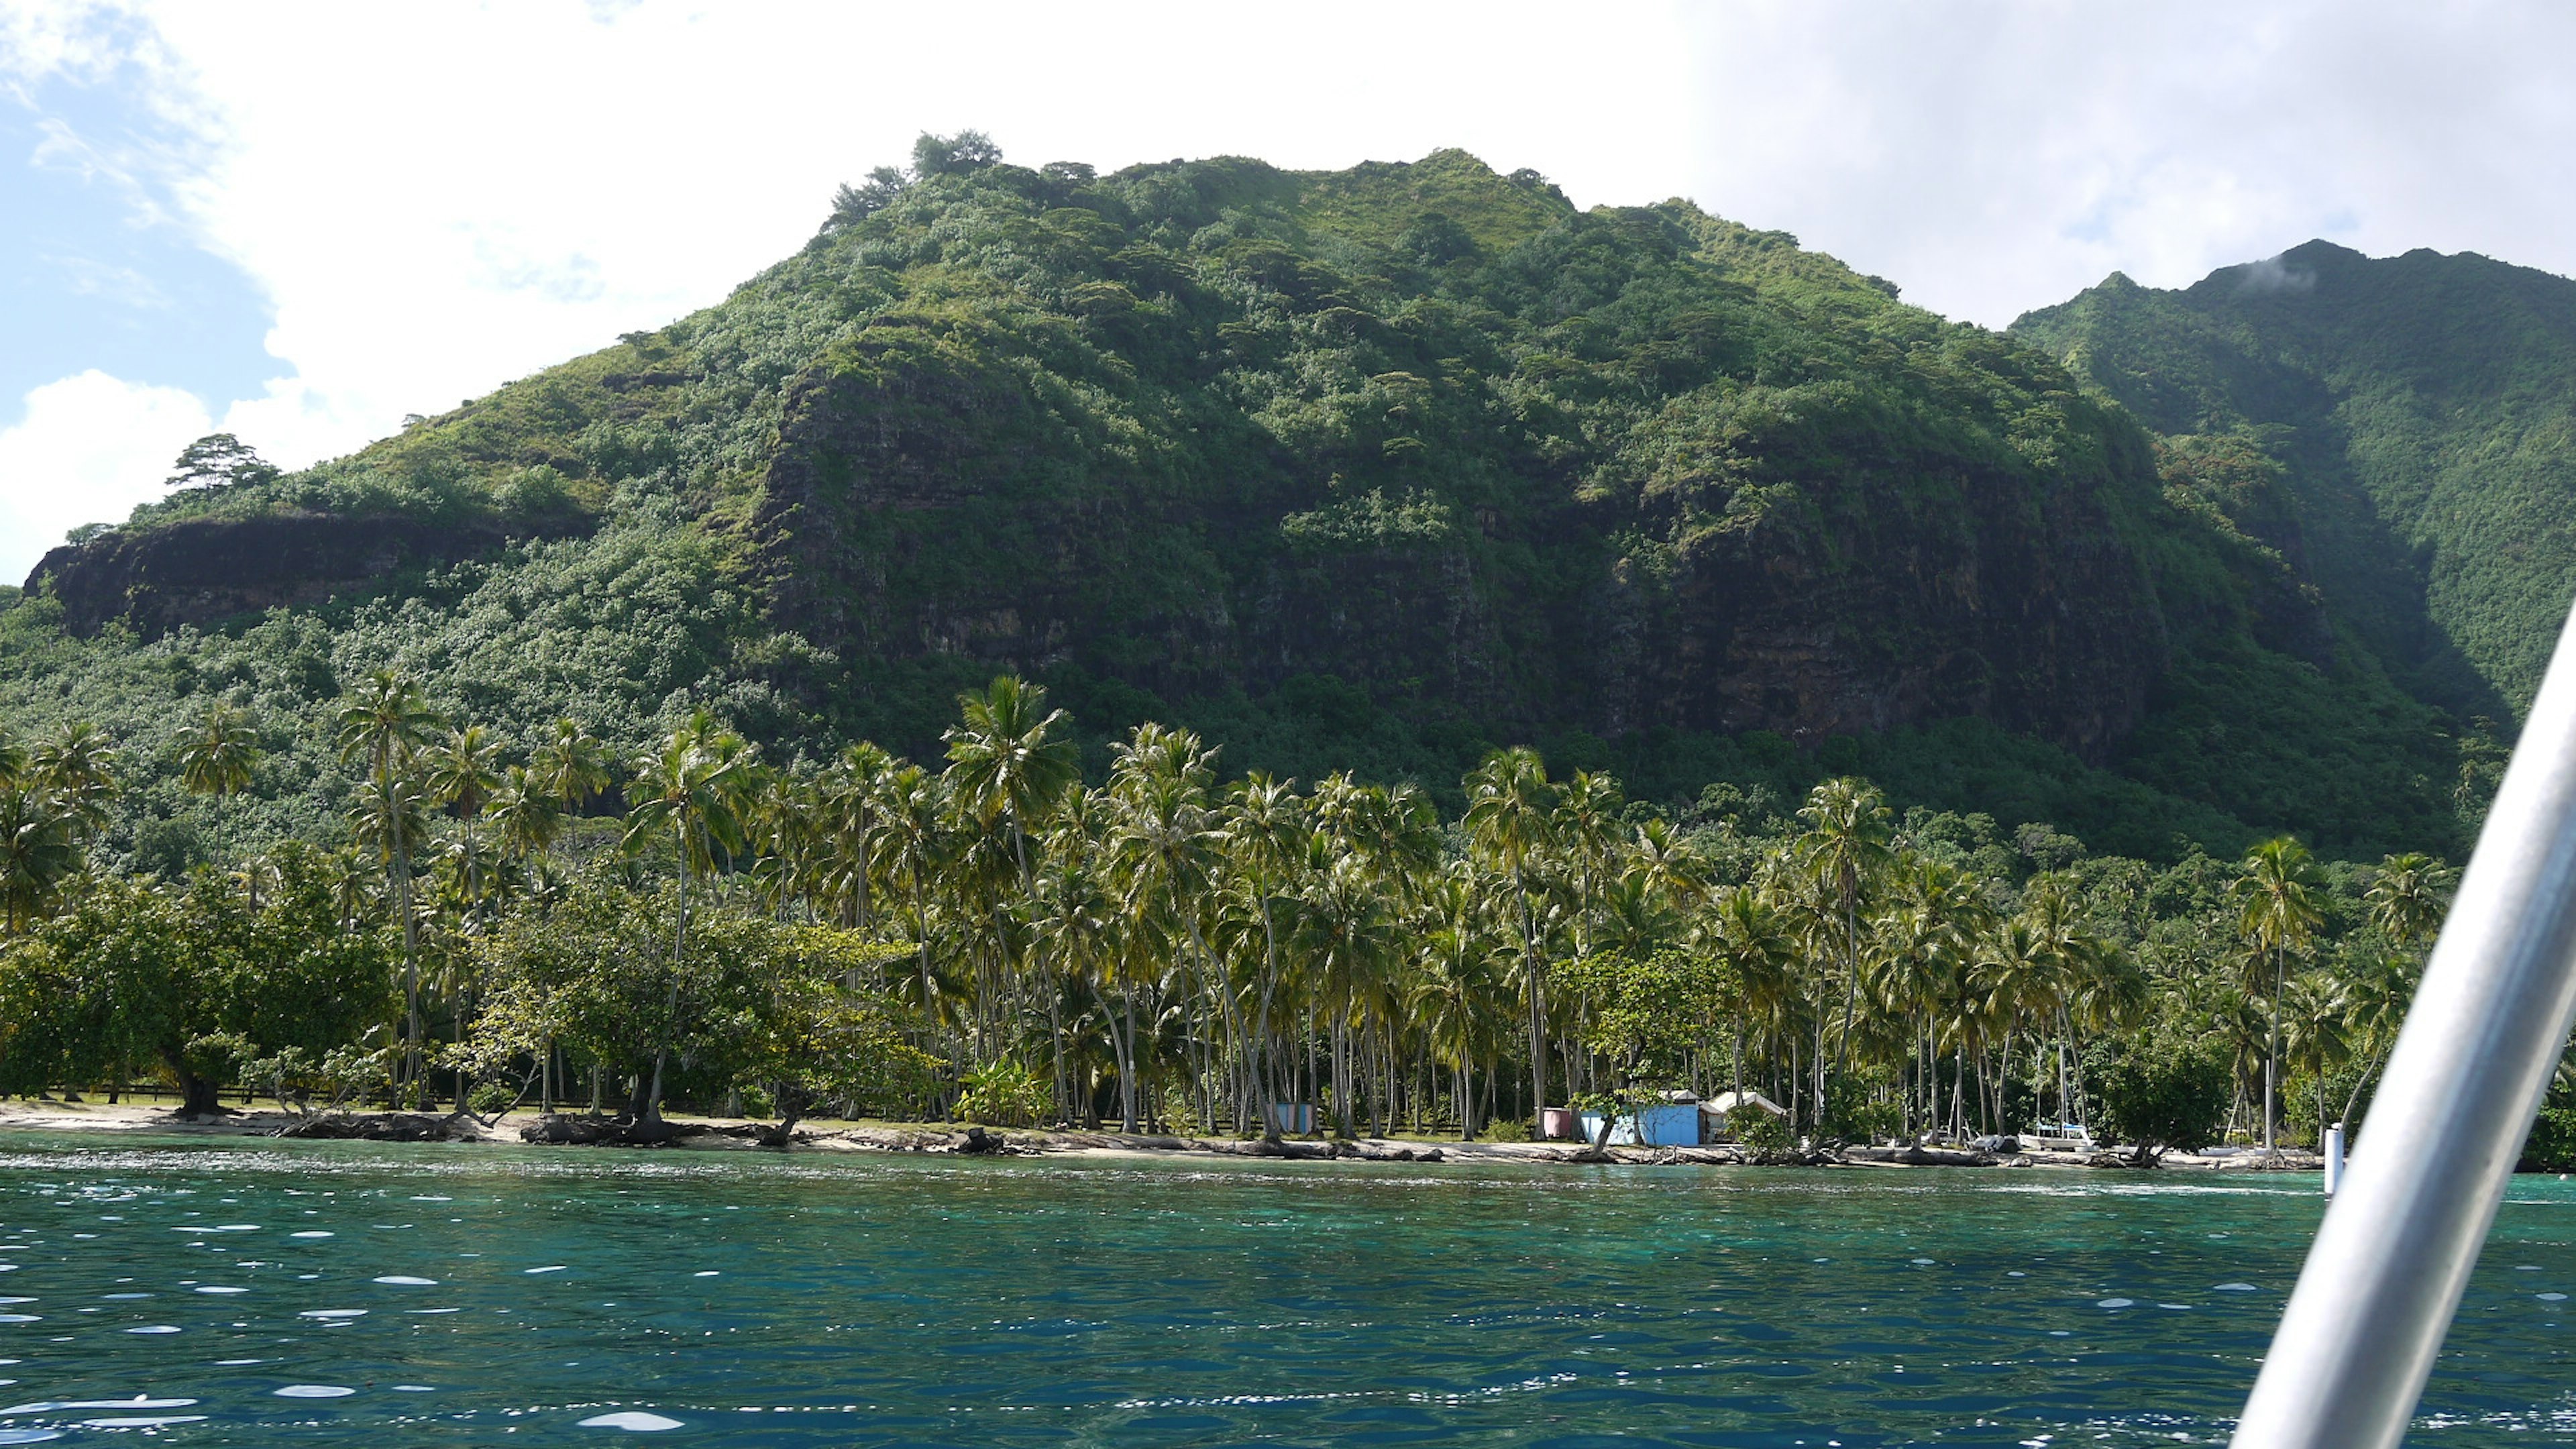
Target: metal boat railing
{"type": "Point", "coordinates": [2385, 1274]}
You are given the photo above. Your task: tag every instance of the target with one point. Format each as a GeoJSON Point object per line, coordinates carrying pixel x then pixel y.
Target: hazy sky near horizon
{"type": "Point", "coordinates": [300, 221]}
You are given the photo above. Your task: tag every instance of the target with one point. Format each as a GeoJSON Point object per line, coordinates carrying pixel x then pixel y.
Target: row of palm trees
{"type": "Point", "coordinates": [1233, 945]}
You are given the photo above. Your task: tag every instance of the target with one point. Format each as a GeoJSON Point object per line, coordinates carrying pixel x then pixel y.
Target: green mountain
{"type": "Point", "coordinates": [2402, 430]}
{"type": "Point", "coordinates": [1372, 469]}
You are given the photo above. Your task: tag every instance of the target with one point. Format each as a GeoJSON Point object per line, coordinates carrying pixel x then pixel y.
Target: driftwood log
{"type": "Point", "coordinates": [1921, 1157]}
{"type": "Point", "coordinates": [387, 1127]}
{"type": "Point", "coordinates": [558, 1130]}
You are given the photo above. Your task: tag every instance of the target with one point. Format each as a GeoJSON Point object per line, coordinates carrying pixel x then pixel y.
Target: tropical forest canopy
{"type": "Point", "coordinates": [1374, 470]}
{"type": "Point", "coordinates": [1329, 508]}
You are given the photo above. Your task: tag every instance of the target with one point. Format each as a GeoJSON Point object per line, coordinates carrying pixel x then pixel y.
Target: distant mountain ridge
{"type": "Point", "coordinates": [1372, 469]}
{"type": "Point", "coordinates": [2405, 427]}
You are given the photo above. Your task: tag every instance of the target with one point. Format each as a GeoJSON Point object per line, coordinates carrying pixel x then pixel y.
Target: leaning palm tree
{"type": "Point", "coordinates": [1510, 825]}
{"type": "Point", "coordinates": [2276, 889]}
{"type": "Point", "coordinates": [2378, 997]}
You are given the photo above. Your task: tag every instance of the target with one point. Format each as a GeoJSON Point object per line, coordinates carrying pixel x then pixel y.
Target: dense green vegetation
{"type": "Point", "coordinates": [2398, 427]}
{"type": "Point", "coordinates": [1375, 471]}
{"type": "Point", "coordinates": [1710, 672]}
{"type": "Point", "coordinates": [1002, 941]}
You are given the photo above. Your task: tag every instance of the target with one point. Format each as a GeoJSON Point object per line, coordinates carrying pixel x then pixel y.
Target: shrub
{"type": "Point", "coordinates": [1758, 1128]}
{"type": "Point", "coordinates": [2551, 1147]}
{"type": "Point", "coordinates": [2160, 1093]}
{"type": "Point", "coordinates": [1003, 1094]}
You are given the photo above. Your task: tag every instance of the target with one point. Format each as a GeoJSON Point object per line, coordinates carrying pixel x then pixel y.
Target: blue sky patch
{"type": "Point", "coordinates": [95, 269]}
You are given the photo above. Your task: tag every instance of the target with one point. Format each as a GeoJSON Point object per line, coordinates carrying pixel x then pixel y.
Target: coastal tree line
{"type": "Point", "coordinates": [993, 936]}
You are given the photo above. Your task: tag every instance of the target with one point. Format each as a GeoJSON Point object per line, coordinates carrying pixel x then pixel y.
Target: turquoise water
{"type": "Point", "coordinates": [255, 1293]}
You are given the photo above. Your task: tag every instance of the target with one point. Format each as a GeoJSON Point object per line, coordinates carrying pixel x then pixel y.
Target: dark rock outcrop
{"type": "Point", "coordinates": [920, 510]}
{"type": "Point", "coordinates": [558, 1130]}
{"type": "Point", "coordinates": [383, 1127]}
{"type": "Point", "coordinates": [205, 570]}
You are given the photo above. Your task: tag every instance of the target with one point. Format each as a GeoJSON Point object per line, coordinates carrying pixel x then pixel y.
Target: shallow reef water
{"type": "Point", "coordinates": [202, 1293]}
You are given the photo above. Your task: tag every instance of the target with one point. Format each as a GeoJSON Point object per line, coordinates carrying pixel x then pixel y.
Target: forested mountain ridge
{"type": "Point", "coordinates": [2402, 428]}
{"type": "Point", "coordinates": [1371, 469]}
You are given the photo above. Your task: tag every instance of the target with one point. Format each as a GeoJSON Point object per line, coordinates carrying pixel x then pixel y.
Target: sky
{"type": "Point", "coordinates": [300, 222]}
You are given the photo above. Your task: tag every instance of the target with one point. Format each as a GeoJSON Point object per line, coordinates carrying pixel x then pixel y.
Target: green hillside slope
{"type": "Point", "coordinates": [1372, 469]}
{"type": "Point", "coordinates": [2404, 427]}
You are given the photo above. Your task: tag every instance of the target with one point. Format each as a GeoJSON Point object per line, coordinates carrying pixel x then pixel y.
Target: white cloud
{"type": "Point", "coordinates": [1994, 157]}
{"type": "Point", "coordinates": [439, 198]}
{"type": "Point", "coordinates": [89, 448]}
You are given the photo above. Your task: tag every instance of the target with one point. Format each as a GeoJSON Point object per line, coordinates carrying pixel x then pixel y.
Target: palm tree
{"type": "Point", "coordinates": [2276, 887]}
{"type": "Point", "coordinates": [571, 766]}
{"type": "Point", "coordinates": [912, 808]}
{"type": "Point", "coordinates": [391, 818]}
{"type": "Point", "coordinates": [1166, 843]}
{"type": "Point", "coordinates": [1457, 985]}
{"type": "Point", "coordinates": [846, 799]}
{"type": "Point", "coordinates": [691, 791]}
{"type": "Point", "coordinates": [76, 765]}
{"type": "Point", "coordinates": [1076, 911]}
{"type": "Point", "coordinates": [2317, 1013]}
{"type": "Point", "coordinates": [524, 813]}
{"type": "Point", "coordinates": [1744, 933]}
{"type": "Point", "coordinates": [2379, 997]}
{"type": "Point", "coordinates": [1927, 938]}
{"type": "Point", "coordinates": [220, 754]}
{"type": "Point", "coordinates": [2407, 897]}
{"type": "Point", "coordinates": [1509, 820]}
{"type": "Point", "coordinates": [382, 722]}
{"type": "Point", "coordinates": [39, 850]}
{"type": "Point", "coordinates": [1009, 765]}
{"type": "Point", "coordinates": [462, 769]}
{"type": "Point", "coordinates": [1845, 848]}
{"type": "Point", "coordinates": [1347, 940]}
{"type": "Point", "coordinates": [1265, 828]}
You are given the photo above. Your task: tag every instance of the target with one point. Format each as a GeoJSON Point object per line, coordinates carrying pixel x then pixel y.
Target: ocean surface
{"type": "Point", "coordinates": [198, 1293]}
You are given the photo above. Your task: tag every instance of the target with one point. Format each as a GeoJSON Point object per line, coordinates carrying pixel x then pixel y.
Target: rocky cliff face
{"type": "Point", "coordinates": [203, 571]}
{"type": "Point", "coordinates": [915, 515]}
{"type": "Point", "coordinates": [2031, 613]}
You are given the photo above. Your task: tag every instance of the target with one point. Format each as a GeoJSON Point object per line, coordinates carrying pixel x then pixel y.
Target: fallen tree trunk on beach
{"type": "Point", "coordinates": [1921, 1157]}
{"type": "Point", "coordinates": [555, 1129]}
{"type": "Point", "coordinates": [384, 1127]}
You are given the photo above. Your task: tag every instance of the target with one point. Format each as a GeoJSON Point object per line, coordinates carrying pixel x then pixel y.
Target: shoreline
{"type": "Point", "coordinates": [703, 1134]}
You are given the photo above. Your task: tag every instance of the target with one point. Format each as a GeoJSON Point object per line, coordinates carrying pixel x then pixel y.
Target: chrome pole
{"type": "Point", "coordinates": [2389, 1263]}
